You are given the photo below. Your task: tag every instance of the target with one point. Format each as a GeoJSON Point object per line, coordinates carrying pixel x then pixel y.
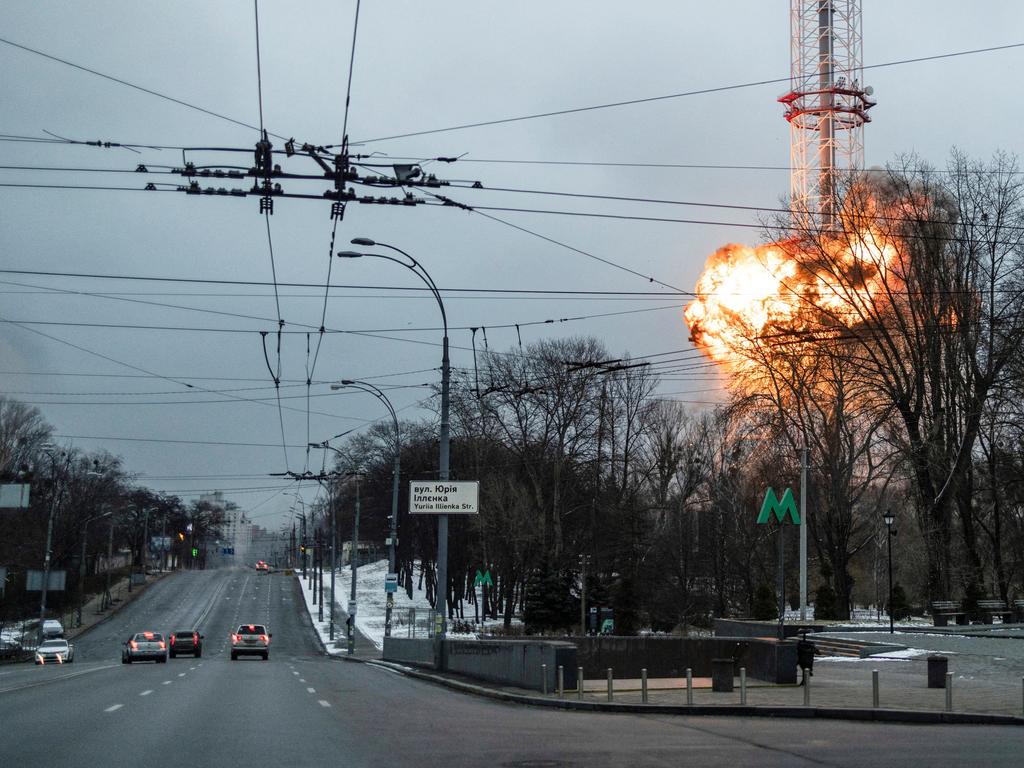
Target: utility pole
{"type": "Point", "coordinates": [320, 560]}
{"type": "Point", "coordinates": [803, 533]}
{"type": "Point", "coordinates": [354, 554]}
{"type": "Point", "coordinates": [334, 553]}
{"type": "Point", "coordinates": [49, 542]}
{"type": "Point", "coordinates": [107, 598]}
{"type": "Point", "coordinates": [303, 545]}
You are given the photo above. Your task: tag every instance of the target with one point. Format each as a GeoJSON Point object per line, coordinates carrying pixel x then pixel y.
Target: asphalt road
{"type": "Point", "coordinates": [302, 709]}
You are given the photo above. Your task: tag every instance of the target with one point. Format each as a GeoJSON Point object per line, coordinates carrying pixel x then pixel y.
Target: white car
{"type": "Point", "coordinates": [52, 629]}
{"type": "Point", "coordinates": [55, 652]}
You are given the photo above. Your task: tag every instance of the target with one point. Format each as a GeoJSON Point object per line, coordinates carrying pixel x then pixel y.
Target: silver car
{"type": "Point", "coordinates": [250, 640]}
{"type": "Point", "coordinates": [144, 646]}
{"type": "Point", "coordinates": [55, 652]}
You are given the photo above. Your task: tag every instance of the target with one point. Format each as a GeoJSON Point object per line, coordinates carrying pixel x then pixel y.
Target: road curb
{"type": "Point", "coordinates": [905, 716]}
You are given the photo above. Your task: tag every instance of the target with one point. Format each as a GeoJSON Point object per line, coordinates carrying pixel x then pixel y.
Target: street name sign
{"type": "Point", "coordinates": [391, 583]}
{"type": "Point", "coordinates": [447, 498]}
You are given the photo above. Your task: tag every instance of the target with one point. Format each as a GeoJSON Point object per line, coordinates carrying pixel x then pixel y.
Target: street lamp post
{"type": "Point", "coordinates": [889, 519]}
{"type": "Point", "coordinates": [396, 472]}
{"type": "Point", "coordinates": [81, 565]}
{"type": "Point", "coordinates": [414, 266]}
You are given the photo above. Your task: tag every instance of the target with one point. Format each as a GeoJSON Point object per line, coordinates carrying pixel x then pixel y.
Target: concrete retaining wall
{"type": "Point", "coordinates": [506, 662]}
{"type": "Point", "coordinates": [413, 651]}
{"type": "Point", "coordinates": [752, 628]}
{"type": "Point", "coordinates": [669, 656]}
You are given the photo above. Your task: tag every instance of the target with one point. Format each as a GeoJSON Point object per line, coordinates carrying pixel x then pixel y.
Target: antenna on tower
{"type": "Point", "coordinates": [827, 105]}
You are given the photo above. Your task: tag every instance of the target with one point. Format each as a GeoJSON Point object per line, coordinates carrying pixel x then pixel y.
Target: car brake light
{"type": "Point", "coordinates": [135, 646]}
{"type": "Point", "coordinates": [162, 645]}
{"type": "Point", "coordinates": [195, 638]}
{"type": "Point", "coordinates": [263, 638]}
{"type": "Point", "coordinates": [234, 638]}
{"type": "Point", "coordinates": [172, 639]}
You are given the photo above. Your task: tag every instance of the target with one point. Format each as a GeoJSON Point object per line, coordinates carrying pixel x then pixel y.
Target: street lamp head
{"type": "Point", "coordinates": [346, 382]}
{"type": "Point", "coordinates": [363, 241]}
{"type": "Point", "coordinates": [889, 518]}
{"type": "Point", "coordinates": [317, 445]}
{"type": "Point", "coordinates": [349, 255]}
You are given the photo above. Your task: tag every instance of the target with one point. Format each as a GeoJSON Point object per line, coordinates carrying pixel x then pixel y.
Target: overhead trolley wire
{"type": "Point", "coordinates": [670, 96]}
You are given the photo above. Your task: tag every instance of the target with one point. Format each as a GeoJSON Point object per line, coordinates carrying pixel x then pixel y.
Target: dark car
{"type": "Point", "coordinates": [186, 641]}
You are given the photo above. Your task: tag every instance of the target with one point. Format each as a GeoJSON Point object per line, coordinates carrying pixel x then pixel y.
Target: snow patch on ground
{"type": "Point", "coordinates": [371, 606]}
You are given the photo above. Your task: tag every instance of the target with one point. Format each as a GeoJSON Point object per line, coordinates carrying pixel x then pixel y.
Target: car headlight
{"type": "Point", "coordinates": [39, 658]}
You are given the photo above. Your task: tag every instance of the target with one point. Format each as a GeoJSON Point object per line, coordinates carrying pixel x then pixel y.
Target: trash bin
{"type": "Point", "coordinates": [937, 668]}
{"type": "Point", "coordinates": [721, 675]}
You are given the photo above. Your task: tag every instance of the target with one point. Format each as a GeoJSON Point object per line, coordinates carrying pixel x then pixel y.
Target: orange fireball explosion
{"type": "Point", "coordinates": [747, 292]}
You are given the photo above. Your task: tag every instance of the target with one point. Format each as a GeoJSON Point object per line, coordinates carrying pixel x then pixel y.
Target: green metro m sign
{"type": "Point", "coordinates": [772, 505]}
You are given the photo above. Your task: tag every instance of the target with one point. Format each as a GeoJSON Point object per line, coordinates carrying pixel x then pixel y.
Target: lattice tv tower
{"type": "Point", "coordinates": [827, 104]}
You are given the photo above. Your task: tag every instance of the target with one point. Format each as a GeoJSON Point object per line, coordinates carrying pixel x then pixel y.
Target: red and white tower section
{"type": "Point", "coordinates": [827, 105]}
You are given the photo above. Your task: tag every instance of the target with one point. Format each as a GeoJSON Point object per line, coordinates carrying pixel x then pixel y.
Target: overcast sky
{"type": "Point", "coordinates": [418, 66]}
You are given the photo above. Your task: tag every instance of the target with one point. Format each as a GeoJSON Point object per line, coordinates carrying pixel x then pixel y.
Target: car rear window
{"type": "Point", "coordinates": [252, 629]}
{"type": "Point", "coordinates": [184, 634]}
{"type": "Point", "coordinates": [149, 637]}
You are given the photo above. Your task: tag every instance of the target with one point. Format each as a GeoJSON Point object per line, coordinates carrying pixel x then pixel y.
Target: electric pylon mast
{"type": "Point", "coordinates": [827, 104]}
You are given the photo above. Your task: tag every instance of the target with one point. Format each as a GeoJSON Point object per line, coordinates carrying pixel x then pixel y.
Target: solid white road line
{"type": "Point", "coordinates": [324, 703]}
{"type": "Point", "coordinates": [114, 708]}
{"type": "Point", "coordinates": [311, 690]}
{"type": "Point", "coordinates": [146, 693]}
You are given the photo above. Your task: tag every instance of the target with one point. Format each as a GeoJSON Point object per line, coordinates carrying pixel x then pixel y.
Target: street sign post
{"type": "Point", "coordinates": [447, 498]}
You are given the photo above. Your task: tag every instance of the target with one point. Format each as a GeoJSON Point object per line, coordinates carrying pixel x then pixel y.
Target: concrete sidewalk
{"type": "Point", "coordinates": [93, 614]}
{"type": "Point", "coordinates": [829, 699]}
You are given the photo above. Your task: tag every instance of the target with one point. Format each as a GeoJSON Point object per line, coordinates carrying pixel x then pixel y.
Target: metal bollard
{"type": "Point", "coordinates": [643, 685]}
{"type": "Point", "coordinates": [743, 686]}
{"type": "Point", "coordinates": [544, 678]}
{"type": "Point", "coordinates": [579, 683]}
{"type": "Point", "coordinates": [874, 688]}
{"type": "Point", "coordinates": [689, 686]}
{"type": "Point", "coordinates": [949, 691]}
{"type": "Point", "coordinates": [561, 681]}
{"type": "Point", "coordinates": [807, 689]}
{"type": "Point", "coordinates": [610, 684]}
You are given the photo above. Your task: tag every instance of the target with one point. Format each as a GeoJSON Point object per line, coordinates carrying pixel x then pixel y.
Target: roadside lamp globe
{"type": "Point", "coordinates": [889, 518]}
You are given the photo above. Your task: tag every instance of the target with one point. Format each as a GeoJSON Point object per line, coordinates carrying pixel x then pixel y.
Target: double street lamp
{"type": "Point", "coordinates": [396, 472]}
{"type": "Point", "coordinates": [889, 518]}
{"type": "Point", "coordinates": [415, 267]}
{"type": "Point", "coordinates": [81, 563]}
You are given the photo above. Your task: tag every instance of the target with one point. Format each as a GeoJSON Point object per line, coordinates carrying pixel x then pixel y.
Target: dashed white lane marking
{"type": "Point", "coordinates": [311, 690]}
{"type": "Point", "coordinates": [181, 674]}
{"type": "Point", "coordinates": [167, 682]}
{"type": "Point", "coordinates": [113, 708]}
{"type": "Point", "coordinates": [294, 672]}
{"type": "Point", "coordinates": [302, 679]}
{"type": "Point", "coordinates": [193, 669]}
{"type": "Point", "coordinates": [324, 703]}
{"type": "Point", "coordinates": [146, 693]}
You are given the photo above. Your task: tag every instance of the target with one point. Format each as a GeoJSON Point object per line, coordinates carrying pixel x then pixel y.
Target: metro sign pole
{"type": "Point", "coordinates": [780, 508]}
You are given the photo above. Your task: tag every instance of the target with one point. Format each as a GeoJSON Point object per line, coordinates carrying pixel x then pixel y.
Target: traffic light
{"type": "Point", "coordinates": [195, 552]}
